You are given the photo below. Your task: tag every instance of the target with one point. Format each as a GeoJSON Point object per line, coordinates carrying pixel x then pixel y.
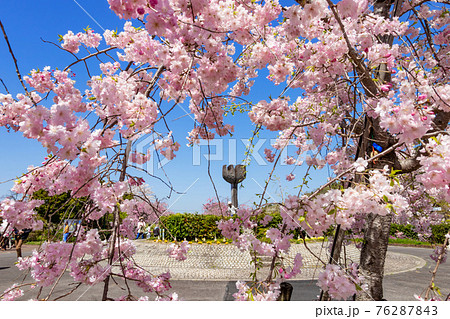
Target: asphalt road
{"type": "Point", "coordinates": [397, 287]}
{"type": "Point", "coordinates": [403, 286]}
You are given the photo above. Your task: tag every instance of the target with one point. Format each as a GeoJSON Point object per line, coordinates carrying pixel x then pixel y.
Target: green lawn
{"type": "Point", "coordinates": [408, 241]}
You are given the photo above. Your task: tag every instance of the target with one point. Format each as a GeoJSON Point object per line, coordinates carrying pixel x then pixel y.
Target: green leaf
{"type": "Point", "coordinates": [394, 172]}
{"type": "Point", "coordinates": [390, 207]}
{"type": "Point", "coordinates": [436, 140]}
{"type": "Point", "coordinates": [436, 289]}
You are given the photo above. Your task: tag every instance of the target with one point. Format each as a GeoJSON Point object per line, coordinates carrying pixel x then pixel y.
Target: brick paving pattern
{"type": "Point", "coordinates": [227, 262]}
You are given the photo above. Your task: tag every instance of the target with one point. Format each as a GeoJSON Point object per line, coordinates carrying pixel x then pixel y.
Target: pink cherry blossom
{"type": "Point", "coordinates": [179, 251]}
{"type": "Point", "coordinates": [339, 283]}
{"type": "Point", "coordinates": [360, 165]}
{"type": "Point", "coordinates": [290, 177]}
{"type": "Point", "coordinates": [324, 72]}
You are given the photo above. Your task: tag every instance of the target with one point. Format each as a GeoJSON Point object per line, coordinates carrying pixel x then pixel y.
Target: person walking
{"type": "Point", "coordinates": [140, 228]}
{"type": "Point", "coordinates": [4, 235]}
{"type": "Point", "coordinates": [148, 232]}
{"type": "Point", "coordinates": [76, 228]}
{"type": "Point", "coordinates": [156, 231]}
{"type": "Point", "coordinates": [20, 236]}
{"type": "Point", "coordinates": [66, 232]}
{"type": "Point", "coordinates": [231, 209]}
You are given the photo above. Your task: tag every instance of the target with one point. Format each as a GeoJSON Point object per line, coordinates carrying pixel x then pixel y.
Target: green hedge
{"type": "Point", "coordinates": [407, 230]}
{"type": "Point", "coordinates": [190, 226]}
{"type": "Point", "coordinates": [261, 230]}
{"type": "Point", "coordinates": [276, 220]}
{"type": "Point", "coordinates": [438, 232]}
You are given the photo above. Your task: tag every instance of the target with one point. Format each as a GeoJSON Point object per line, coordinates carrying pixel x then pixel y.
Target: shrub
{"type": "Point", "coordinates": [190, 226]}
{"type": "Point", "coordinates": [438, 232]}
{"type": "Point", "coordinates": [407, 230]}
{"type": "Point", "coordinates": [276, 220]}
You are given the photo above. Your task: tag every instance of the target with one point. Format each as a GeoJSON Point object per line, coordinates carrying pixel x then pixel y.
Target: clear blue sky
{"type": "Point", "coordinates": [27, 21]}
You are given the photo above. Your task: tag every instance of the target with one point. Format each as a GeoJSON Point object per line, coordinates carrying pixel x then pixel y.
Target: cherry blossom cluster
{"type": "Point", "coordinates": [130, 9]}
{"type": "Point", "coordinates": [72, 42]}
{"type": "Point", "coordinates": [12, 293]}
{"type": "Point", "coordinates": [269, 155]}
{"type": "Point", "coordinates": [420, 212]}
{"type": "Point", "coordinates": [438, 251]}
{"type": "Point", "coordinates": [436, 166]}
{"type": "Point", "coordinates": [170, 297]}
{"type": "Point", "coordinates": [21, 214]}
{"type": "Point", "coordinates": [338, 282]}
{"type": "Point", "coordinates": [48, 264]}
{"type": "Point", "coordinates": [261, 292]}
{"type": "Point", "coordinates": [240, 228]}
{"type": "Point", "coordinates": [41, 80]}
{"type": "Point", "coordinates": [105, 199]}
{"type": "Point", "coordinates": [147, 282]}
{"type": "Point", "coordinates": [116, 100]}
{"type": "Point", "coordinates": [295, 269]}
{"type": "Point", "coordinates": [210, 53]}
{"type": "Point", "coordinates": [275, 115]}
{"type": "Point", "coordinates": [178, 251]}
{"type": "Point", "coordinates": [140, 158]}
{"type": "Point", "coordinates": [343, 207]}
{"type": "Point", "coordinates": [136, 209]}
{"type": "Point", "coordinates": [213, 207]}
{"type": "Point", "coordinates": [167, 146]}
{"type": "Point", "coordinates": [84, 260]}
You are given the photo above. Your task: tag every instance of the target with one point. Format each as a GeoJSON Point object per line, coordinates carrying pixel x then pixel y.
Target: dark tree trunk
{"type": "Point", "coordinates": [376, 233]}
{"type": "Point", "coordinates": [339, 236]}
{"type": "Point", "coordinates": [373, 256]}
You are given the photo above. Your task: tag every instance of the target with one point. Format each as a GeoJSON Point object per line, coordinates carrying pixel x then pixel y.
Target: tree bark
{"type": "Point", "coordinates": [373, 256]}
{"type": "Point", "coordinates": [376, 233]}
{"type": "Point", "coordinates": [338, 239]}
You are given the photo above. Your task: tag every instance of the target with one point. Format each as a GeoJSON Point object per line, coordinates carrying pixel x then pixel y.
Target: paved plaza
{"type": "Point", "coordinates": [227, 262]}
{"type": "Point", "coordinates": [210, 272]}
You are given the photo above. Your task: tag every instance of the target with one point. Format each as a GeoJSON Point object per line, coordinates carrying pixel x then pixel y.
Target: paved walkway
{"type": "Point", "coordinates": [227, 262]}
{"type": "Point", "coordinates": [210, 273]}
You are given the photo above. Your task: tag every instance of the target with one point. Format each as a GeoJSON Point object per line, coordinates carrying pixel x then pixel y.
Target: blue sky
{"type": "Point", "coordinates": [26, 22]}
